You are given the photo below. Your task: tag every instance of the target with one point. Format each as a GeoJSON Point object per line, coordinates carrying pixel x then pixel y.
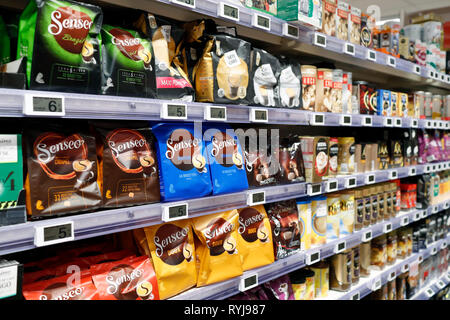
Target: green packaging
{"type": "Point", "coordinates": [4, 43]}
{"type": "Point", "coordinates": [305, 11]}
{"type": "Point", "coordinates": [11, 169]}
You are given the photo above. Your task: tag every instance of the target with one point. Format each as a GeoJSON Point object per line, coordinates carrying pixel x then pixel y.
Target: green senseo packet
{"type": "Point", "coordinates": [4, 43]}
{"type": "Point", "coordinates": [61, 42]}
{"type": "Point", "coordinates": [11, 169]}
{"type": "Point", "coordinates": [128, 64]}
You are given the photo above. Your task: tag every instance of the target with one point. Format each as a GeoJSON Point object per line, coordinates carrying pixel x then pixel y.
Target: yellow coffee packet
{"type": "Point", "coordinates": [172, 249]}
{"type": "Point", "coordinates": [255, 238]}
{"type": "Point", "coordinates": [218, 254]}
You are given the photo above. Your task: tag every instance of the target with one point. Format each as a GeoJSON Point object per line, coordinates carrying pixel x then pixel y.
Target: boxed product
{"type": "Point", "coordinates": [366, 31]}
{"type": "Point", "coordinates": [336, 91]}
{"type": "Point", "coordinates": [304, 11]}
{"type": "Point", "coordinates": [309, 80]}
{"type": "Point", "coordinates": [347, 104]}
{"type": "Point", "coordinates": [395, 154]}
{"type": "Point", "coordinates": [333, 154]}
{"type": "Point", "coordinates": [383, 102]}
{"type": "Point", "coordinates": [342, 15]}
{"type": "Point", "coordinates": [319, 220]}
{"type": "Point", "coordinates": [315, 157]}
{"type": "Point", "coordinates": [383, 155]}
{"type": "Point", "coordinates": [304, 221]}
{"type": "Point", "coordinates": [354, 26]}
{"type": "Point", "coordinates": [11, 168]}
{"type": "Point", "coordinates": [329, 17]}
{"type": "Point", "coordinates": [334, 216]}
{"type": "Point", "coordinates": [323, 90]}
{"type": "Point", "coordinates": [366, 95]}
{"type": "Point", "coordinates": [346, 157]}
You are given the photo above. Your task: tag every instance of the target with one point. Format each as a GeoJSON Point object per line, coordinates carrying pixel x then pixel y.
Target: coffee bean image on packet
{"type": "Point", "coordinates": [60, 40]}
{"type": "Point", "coordinates": [218, 251]}
{"type": "Point", "coordinates": [173, 254]}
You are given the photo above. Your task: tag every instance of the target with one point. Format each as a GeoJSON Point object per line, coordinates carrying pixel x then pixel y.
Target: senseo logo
{"type": "Point", "coordinates": [224, 149]}
{"type": "Point", "coordinates": [115, 283]}
{"type": "Point", "coordinates": [218, 237]}
{"type": "Point", "coordinates": [72, 294]}
{"type": "Point", "coordinates": [46, 153]}
{"type": "Point", "coordinates": [251, 225]}
{"type": "Point", "coordinates": [119, 148]}
{"type": "Point", "coordinates": [172, 245]}
{"type": "Point", "coordinates": [130, 46]}
{"type": "Point", "coordinates": [185, 151]}
{"type": "Point", "coordinates": [57, 26]}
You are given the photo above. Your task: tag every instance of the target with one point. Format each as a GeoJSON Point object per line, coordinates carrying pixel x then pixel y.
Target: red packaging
{"type": "Point", "coordinates": [62, 288]}
{"type": "Point", "coordinates": [132, 278]}
{"type": "Point", "coordinates": [408, 196]}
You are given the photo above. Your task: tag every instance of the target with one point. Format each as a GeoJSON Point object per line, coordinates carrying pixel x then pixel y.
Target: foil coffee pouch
{"type": "Point", "coordinates": [128, 64]}
{"type": "Point", "coordinates": [173, 254]}
{"type": "Point", "coordinates": [255, 237]}
{"type": "Point", "coordinates": [218, 252]}
{"type": "Point", "coordinates": [265, 72]}
{"type": "Point", "coordinates": [60, 40]}
{"type": "Point", "coordinates": [127, 162]}
{"type": "Point", "coordinates": [225, 158]}
{"type": "Point", "coordinates": [222, 74]}
{"type": "Point", "coordinates": [62, 172]}
{"type": "Point", "coordinates": [184, 172]}
{"type": "Point", "coordinates": [290, 84]}
{"type": "Point", "coordinates": [291, 161]}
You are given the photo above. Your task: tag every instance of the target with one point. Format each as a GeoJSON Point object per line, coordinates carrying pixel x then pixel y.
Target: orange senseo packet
{"type": "Point", "coordinates": [218, 253]}
{"type": "Point", "coordinates": [62, 288]}
{"type": "Point", "coordinates": [172, 249]}
{"type": "Point", "coordinates": [255, 238]}
{"type": "Point", "coordinates": [132, 278]}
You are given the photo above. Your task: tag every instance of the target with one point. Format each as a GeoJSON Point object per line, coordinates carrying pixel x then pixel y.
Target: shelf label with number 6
{"type": "Point", "coordinates": [44, 105]}
{"type": "Point", "coordinates": [175, 211]}
{"type": "Point", "coordinates": [50, 234]}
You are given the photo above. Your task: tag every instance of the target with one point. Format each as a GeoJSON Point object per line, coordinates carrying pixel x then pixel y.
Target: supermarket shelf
{"type": "Point", "coordinates": [20, 237]}
{"type": "Point", "coordinates": [225, 289]}
{"type": "Point", "coordinates": [84, 106]}
{"type": "Point", "coordinates": [434, 287]}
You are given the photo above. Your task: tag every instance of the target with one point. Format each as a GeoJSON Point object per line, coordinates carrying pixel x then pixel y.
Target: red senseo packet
{"type": "Point", "coordinates": [132, 278]}
{"type": "Point", "coordinates": [62, 288]}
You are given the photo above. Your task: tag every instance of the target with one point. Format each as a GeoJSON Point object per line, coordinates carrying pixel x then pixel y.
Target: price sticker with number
{"type": "Point", "coordinates": [174, 111]}
{"type": "Point", "coordinates": [313, 189]}
{"type": "Point", "coordinates": [290, 30]}
{"type": "Point", "coordinates": [340, 246]}
{"type": "Point", "coordinates": [393, 174]}
{"type": "Point", "coordinates": [424, 214]}
{"type": "Point", "coordinates": [404, 221]}
{"type": "Point", "coordinates": [417, 69]}
{"type": "Point", "coordinates": [345, 120]}
{"type": "Point", "coordinates": [312, 258]}
{"type": "Point", "coordinates": [441, 284]}
{"type": "Point", "coordinates": [416, 216]}
{"type": "Point", "coordinates": [367, 236]}
{"type": "Point", "coordinates": [44, 105]}
{"type": "Point", "coordinates": [256, 197]}
{"type": "Point", "coordinates": [186, 3]}
{"type": "Point", "coordinates": [371, 55]}
{"type": "Point", "coordinates": [45, 235]}
{"type": "Point", "coordinates": [320, 40]}
{"type": "Point", "coordinates": [388, 227]}
{"type": "Point", "coordinates": [435, 209]}
{"type": "Point", "coordinates": [429, 292]}
{"type": "Point", "coordinates": [261, 21]}
{"type": "Point", "coordinates": [370, 178]}
{"type": "Point", "coordinates": [175, 211]}
{"type": "Point", "coordinates": [332, 185]}
{"type": "Point", "coordinates": [366, 121]}
{"type": "Point", "coordinates": [398, 122]}
{"type": "Point", "coordinates": [317, 119]}
{"type": "Point", "coordinates": [412, 171]}
{"type": "Point", "coordinates": [391, 61]}
{"type": "Point", "coordinates": [388, 122]}
{"type": "Point", "coordinates": [215, 113]}
{"type": "Point", "coordinates": [349, 48]}
{"type": "Point", "coordinates": [228, 11]}
{"type": "Point", "coordinates": [259, 115]}
{"type": "Point", "coordinates": [350, 182]}
{"type": "Point", "coordinates": [414, 123]}
{"type": "Point", "coordinates": [248, 282]}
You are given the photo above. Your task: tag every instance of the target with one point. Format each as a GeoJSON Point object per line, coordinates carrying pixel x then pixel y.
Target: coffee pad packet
{"type": "Point", "coordinates": [290, 84]}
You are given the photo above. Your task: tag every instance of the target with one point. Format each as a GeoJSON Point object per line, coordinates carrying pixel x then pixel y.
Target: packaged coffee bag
{"type": "Point", "coordinates": [62, 172]}
{"type": "Point", "coordinates": [290, 158]}
{"type": "Point", "coordinates": [127, 159]}
{"type": "Point", "coordinates": [290, 84]}
{"type": "Point", "coordinates": [60, 40]}
{"type": "Point", "coordinates": [4, 43]}
{"type": "Point", "coordinates": [263, 168]}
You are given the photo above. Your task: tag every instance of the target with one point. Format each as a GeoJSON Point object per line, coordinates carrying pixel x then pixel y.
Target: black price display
{"type": "Point", "coordinates": [351, 182]}
{"type": "Point", "coordinates": [57, 232]}
{"type": "Point", "coordinates": [368, 121]}
{"type": "Point", "coordinates": [355, 296]}
{"type": "Point", "coordinates": [391, 61]}
{"type": "Point", "coordinates": [340, 247]}
{"type": "Point", "coordinates": [230, 12]}
{"type": "Point", "coordinates": [417, 69]}
{"type": "Point", "coordinates": [251, 281]}
{"type": "Point", "coordinates": [176, 111]}
{"type": "Point", "coordinates": [320, 40]}
{"type": "Point", "coordinates": [316, 188]}
{"type": "Point", "coordinates": [349, 48]}
{"type": "Point", "coordinates": [261, 115]}
{"type": "Point", "coordinates": [387, 227]}
{"type": "Point", "coordinates": [263, 22]}
{"type": "Point", "coordinates": [292, 31]}
{"type": "Point", "coordinates": [405, 221]}
{"type": "Point", "coordinates": [177, 212]}
{"type": "Point", "coordinates": [217, 113]}
{"type": "Point", "coordinates": [370, 178]}
{"type": "Point", "coordinates": [332, 185]}
{"type": "Point", "coordinates": [258, 197]}
{"type": "Point", "coordinates": [319, 119]}
{"type": "Point", "coordinates": [392, 275]}
{"type": "Point", "coordinates": [371, 55]}
{"type": "Point", "coordinates": [389, 122]}
{"type": "Point", "coordinates": [188, 3]}
{"type": "Point", "coordinates": [367, 236]}
{"type": "Point", "coordinates": [313, 258]}
{"type": "Point", "coordinates": [415, 123]}
{"type": "Point", "coordinates": [347, 120]}
{"type": "Point", "coordinates": [47, 104]}
{"type": "Point", "coordinates": [398, 122]}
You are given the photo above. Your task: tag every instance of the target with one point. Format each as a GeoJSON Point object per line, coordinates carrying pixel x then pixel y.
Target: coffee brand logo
{"type": "Point", "coordinates": [129, 46]}
{"type": "Point", "coordinates": [59, 291]}
{"type": "Point", "coordinates": [47, 153]}
{"type": "Point", "coordinates": [172, 245]}
{"type": "Point", "coordinates": [185, 151]}
{"type": "Point", "coordinates": [218, 237]}
{"type": "Point", "coordinates": [251, 225]}
{"type": "Point", "coordinates": [123, 280]}
{"type": "Point", "coordinates": [126, 146]}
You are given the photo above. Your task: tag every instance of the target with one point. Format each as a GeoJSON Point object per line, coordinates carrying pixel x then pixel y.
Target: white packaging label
{"type": "Point", "coordinates": [8, 281]}
{"type": "Point", "coordinates": [232, 59]}
{"type": "Point", "coordinates": [8, 148]}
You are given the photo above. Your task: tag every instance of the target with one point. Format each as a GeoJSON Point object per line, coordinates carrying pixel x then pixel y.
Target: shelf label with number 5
{"type": "Point", "coordinates": [50, 234]}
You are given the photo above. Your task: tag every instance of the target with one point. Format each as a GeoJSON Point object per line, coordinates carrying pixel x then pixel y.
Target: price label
{"type": "Point", "coordinates": [259, 115]}
{"type": "Point", "coordinates": [215, 113]}
{"type": "Point", "coordinates": [8, 281]}
{"type": "Point", "coordinates": [436, 76]}
{"type": "Point", "coordinates": [444, 245]}
{"type": "Point", "coordinates": [417, 69]}
{"type": "Point", "coordinates": [332, 185]}
{"type": "Point", "coordinates": [439, 167]}
{"type": "Point", "coordinates": [427, 169]}
{"type": "Point", "coordinates": [414, 123]}
{"type": "Point", "coordinates": [441, 284]}
{"type": "Point", "coordinates": [248, 282]}
{"type": "Point", "coordinates": [340, 246]}
{"type": "Point", "coordinates": [350, 182]}
{"type": "Point", "coordinates": [262, 22]}
{"type": "Point", "coordinates": [429, 292]}
{"type": "Point", "coordinates": [424, 214]}
{"type": "Point", "coordinates": [376, 284]}
{"type": "Point", "coordinates": [53, 234]}
{"type": "Point", "coordinates": [371, 55]}
{"type": "Point", "coordinates": [416, 216]}
{"type": "Point", "coordinates": [387, 227]}
{"type": "Point", "coordinates": [435, 209]}
{"type": "Point", "coordinates": [434, 250]}
{"type": "Point", "coordinates": [320, 40]}
{"type": "Point", "coordinates": [391, 61]}
{"type": "Point", "coordinates": [428, 125]}
{"type": "Point", "coordinates": [446, 205]}
{"type": "Point", "coordinates": [186, 3]}
{"type": "Point", "coordinates": [367, 236]}
{"type": "Point", "coordinates": [349, 48]}
{"type": "Point", "coordinates": [228, 11]}
{"type": "Point", "coordinates": [441, 124]}
{"type": "Point", "coordinates": [345, 120]}
{"type": "Point", "coordinates": [405, 268]}
{"type": "Point", "coordinates": [444, 165]}
{"type": "Point", "coordinates": [442, 76]}
{"type": "Point", "coordinates": [388, 122]}
{"type": "Point", "coordinates": [447, 125]}
{"type": "Point", "coordinates": [290, 31]}
{"type": "Point", "coordinates": [393, 174]}
{"type": "Point", "coordinates": [398, 122]}
{"type": "Point", "coordinates": [448, 79]}
{"type": "Point", "coordinates": [420, 258]}
{"type": "Point", "coordinates": [370, 178]}
{"type": "Point", "coordinates": [435, 125]}
{"type": "Point", "coordinates": [366, 121]}
{"type": "Point", "coordinates": [43, 105]}
{"type": "Point", "coordinates": [412, 171]}
{"type": "Point", "coordinates": [312, 258]}
{"type": "Point", "coordinates": [314, 189]}
{"type": "Point", "coordinates": [392, 276]}
{"type": "Point", "coordinates": [174, 111]}
{"type": "Point", "coordinates": [404, 221]}
{"type": "Point", "coordinates": [431, 74]}
{"type": "Point", "coordinates": [355, 296]}
{"type": "Point", "coordinates": [256, 197]}
{"type": "Point", "coordinates": [317, 119]}
{"type": "Point", "coordinates": [174, 212]}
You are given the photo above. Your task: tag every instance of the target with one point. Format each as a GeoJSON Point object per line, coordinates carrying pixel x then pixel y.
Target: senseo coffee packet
{"type": "Point", "coordinates": [172, 83]}
{"type": "Point", "coordinates": [127, 159]}
{"type": "Point", "coordinates": [225, 158]}
{"type": "Point", "coordinates": [218, 251]}
{"type": "Point", "coordinates": [173, 254]}
{"type": "Point", "coordinates": [128, 64]}
{"type": "Point", "coordinates": [222, 74]}
{"type": "Point", "coordinates": [131, 278]}
{"type": "Point", "coordinates": [183, 167]}
{"type": "Point", "coordinates": [60, 40]}
{"type": "Point", "coordinates": [62, 171]}
{"type": "Point", "coordinates": [255, 238]}
{"type": "Point", "coordinates": [284, 223]}
{"type": "Point", "coordinates": [290, 84]}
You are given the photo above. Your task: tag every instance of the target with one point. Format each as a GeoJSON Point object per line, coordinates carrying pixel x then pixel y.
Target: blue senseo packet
{"type": "Point", "coordinates": [225, 158]}
{"type": "Point", "coordinates": [383, 102]}
{"type": "Point", "coordinates": [184, 172]}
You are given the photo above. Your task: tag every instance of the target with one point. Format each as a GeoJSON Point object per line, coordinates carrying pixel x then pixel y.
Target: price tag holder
{"type": "Point", "coordinates": [44, 105]}
{"type": "Point", "coordinates": [290, 31]}
{"type": "Point", "coordinates": [350, 182]}
{"type": "Point", "coordinates": [366, 121]}
{"type": "Point", "coordinates": [429, 292]}
{"type": "Point", "coordinates": [387, 227]}
{"type": "Point", "coordinates": [8, 281]}
{"type": "Point", "coordinates": [317, 119]}
{"type": "Point", "coordinates": [434, 125]}
{"type": "Point", "coordinates": [441, 125]}
{"type": "Point", "coordinates": [391, 61]}
{"type": "Point", "coordinates": [416, 216]}
{"type": "Point", "coordinates": [431, 74]}
{"type": "Point", "coordinates": [371, 55]}
{"type": "Point", "coordinates": [441, 284]}
{"type": "Point", "coordinates": [405, 268]}
{"type": "Point", "coordinates": [228, 11]}
{"type": "Point", "coordinates": [444, 245]}
{"type": "Point", "coordinates": [259, 115]}
{"type": "Point", "coordinates": [417, 69]}
{"type": "Point", "coordinates": [404, 221]}
{"type": "Point", "coordinates": [215, 113]}
{"type": "Point", "coordinates": [314, 189]}
{"type": "Point", "coordinates": [173, 111]}
{"type": "Point", "coordinates": [370, 178]}
{"type": "Point", "coordinates": [427, 169]}
{"type": "Point", "coordinates": [388, 122]}
{"type": "Point", "coordinates": [412, 171]}
{"type": "Point", "coordinates": [448, 79]}
{"type": "Point", "coordinates": [442, 77]}
{"type": "Point", "coordinates": [392, 276]}
{"type": "Point", "coordinates": [261, 21]}
{"type": "Point", "coordinates": [367, 236]}
{"type": "Point", "coordinates": [349, 48]}
{"type": "Point", "coordinates": [434, 250]}
{"type": "Point", "coordinates": [428, 125]}
{"type": "Point", "coordinates": [393, 174]}
{"type": "Point", "coordinates": [339, 247]}
{"type": "Point", "coordinates": [53, 233]}
{"type": "Point", "coordinates": [175, 211]}
{"type": "Point", "coordinates": [355, 296]}
{"type": "Point", "coordinates": [414, 123]}
{"type": "Point", "coordinates": [424, 214]}
{"type": "Point", "coordinates": [186, 3]}
{"type": "Point", "coordinates": [420, 258]}
{"type": "Point", "coordinates": [398, 122]}
{"type": "Point", "coordinates": [320, 40]}
{"type": "Point", "coordinates": [435, 209]}
{"type": "Point", "coordinates": [332, 185]}
{"type": "Point", "coordinates": [446, 205]}
{"type": "Point", "coordinates": [345, 120]}
{"type": "Point", "coordinates": [248, 282]}
{"type": "Point", "coordinates": [256, 197]}
{"type": "Point", "coordinates": [376, 284]}
{"type": "Point", "coordinates": [312, 258]}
